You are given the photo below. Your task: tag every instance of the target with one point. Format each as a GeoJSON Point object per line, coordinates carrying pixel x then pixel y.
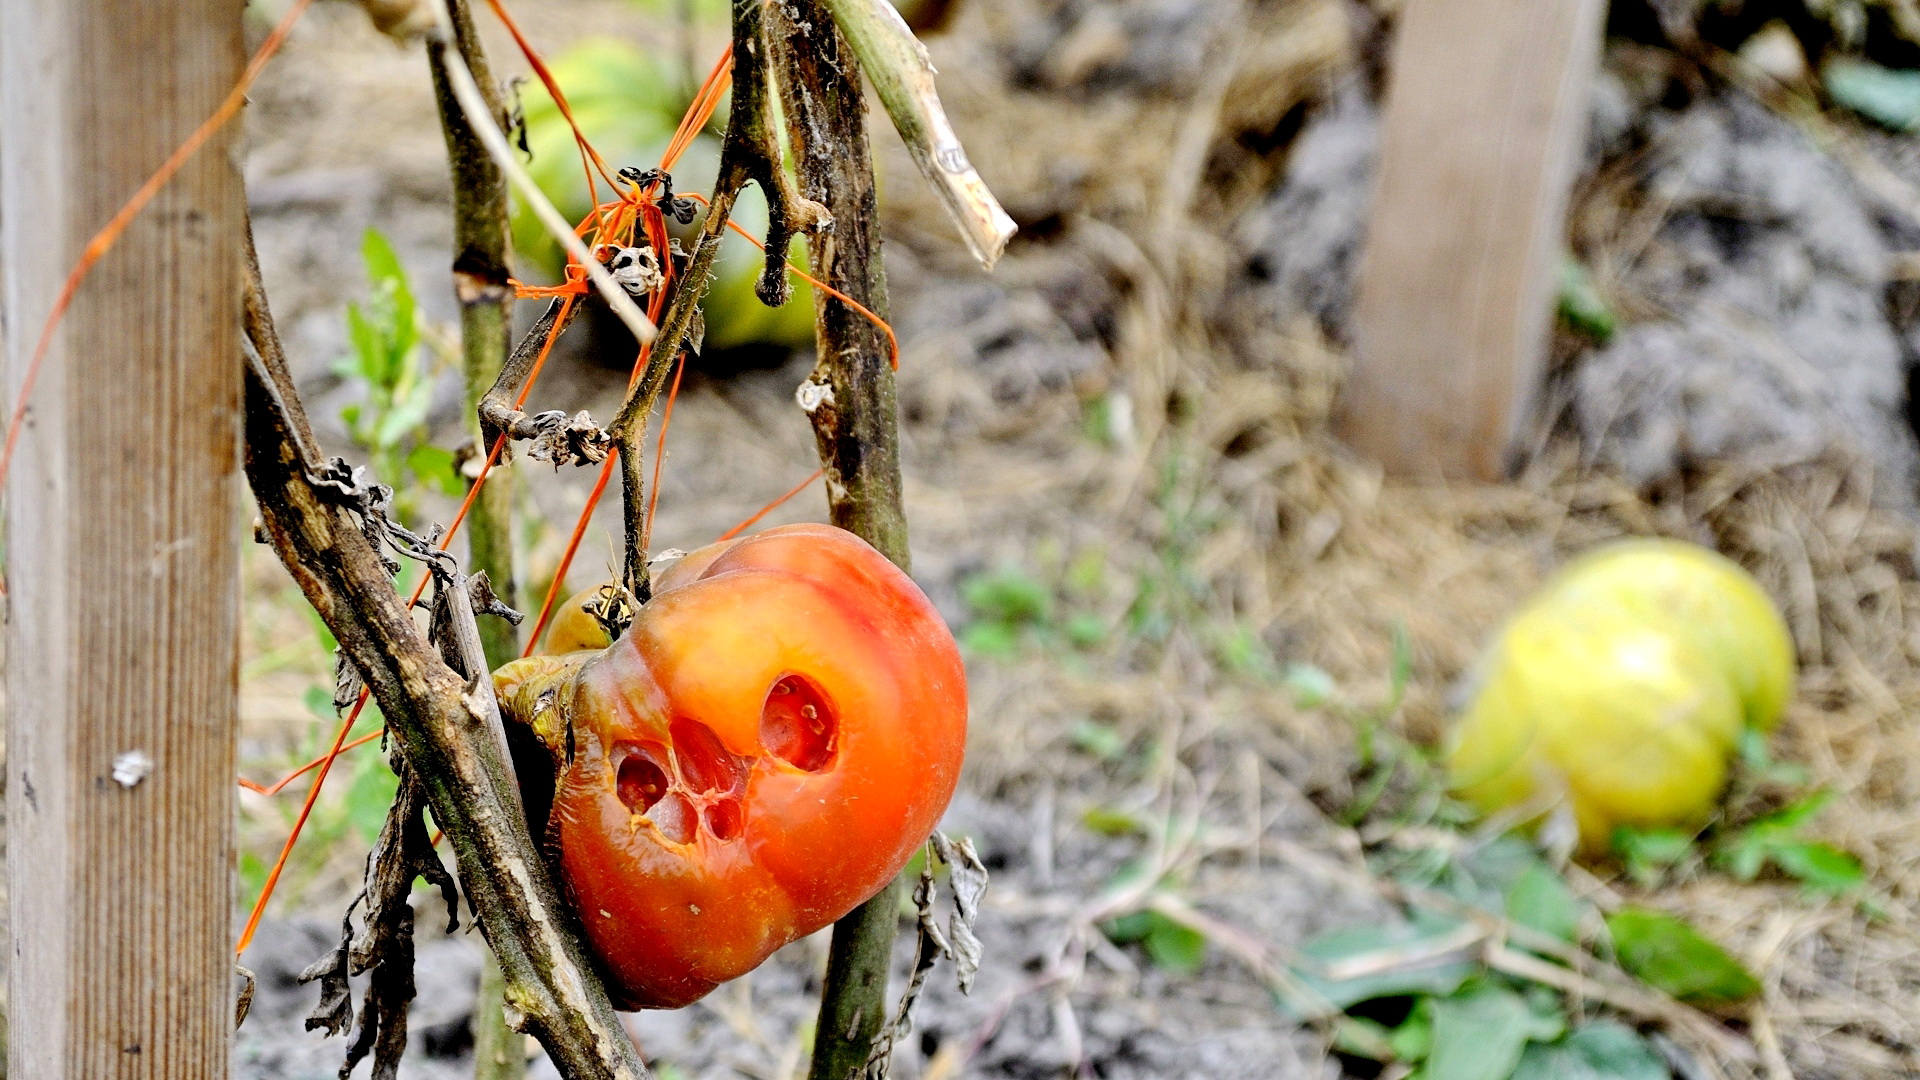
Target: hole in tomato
{"type": "Point", "coordinates": [675, 817]}
{"type": "Point", "coordinates": [639, 781]}
{"type": "Point", "coordinates": [723, 819]}
{"type": "Point", "coordinates": [797, 724]}
{"type": "Point", "coordinates": [705, 763]}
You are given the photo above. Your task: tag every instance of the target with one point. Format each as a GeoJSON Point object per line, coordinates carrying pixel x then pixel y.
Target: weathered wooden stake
{"type": "Point", "coordinates": [1484, 118]}
{"type": "Point", "coordinates": [123, 532]}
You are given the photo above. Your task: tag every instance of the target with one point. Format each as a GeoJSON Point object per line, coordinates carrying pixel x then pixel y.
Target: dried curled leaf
{"type": "Point", "coordinates": [385, 946]}
{"type": "Point", "coordinates": [347, 683]}
{"type": "Point", "coordinates": [335, 1009]}
{"type": "Point", "coordinates": [383, 1012]}
{"type": "Point", "coordinates": [566, 440]}
{"type": "Point", "coordinates": [967, 877]}
{"type": "Point", "coordinates": [243, 1004]}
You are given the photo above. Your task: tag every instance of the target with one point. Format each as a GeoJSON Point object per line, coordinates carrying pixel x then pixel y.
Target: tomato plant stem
{"type": "Point", "coordinates": [480, 285]}
{"type": "Point", "coordinates": [750, 152]}
{"type": "Point", "coordinates": [444, 725]}
{"type": "Point", "coordinates": [856, 429]}
{"type": "Point", "coordinates": [480, 270]}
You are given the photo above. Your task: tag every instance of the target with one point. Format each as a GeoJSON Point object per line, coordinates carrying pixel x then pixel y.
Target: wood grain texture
{"type": "Point", "coordinates": [1485, 114]}
{"type": "Point", "coordinates": [123, 529]}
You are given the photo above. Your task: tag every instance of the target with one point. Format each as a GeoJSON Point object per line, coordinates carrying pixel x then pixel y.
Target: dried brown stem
{"type": "Point", "coordinates": [446, 726]}
{"type": "Point", "coordinates": [749, 154]}
{"type": "Point", "coordinates": [851, 390]}
{"type": "Point", "coordinates": [480, 273]}
{"type": "Point", "coordinates": [497, 412]}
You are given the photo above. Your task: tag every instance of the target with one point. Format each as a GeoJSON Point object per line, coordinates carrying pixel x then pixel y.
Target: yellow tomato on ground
{"type": "Point", "coordinates": [1702, 595]}
{"type": "Point", "coordinates": [1627, 724]}
{"type": "Point", "coordinates": [1621, 690]}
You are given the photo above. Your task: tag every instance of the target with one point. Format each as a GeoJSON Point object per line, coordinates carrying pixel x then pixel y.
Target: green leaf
{"type": "Point", "coordinates": [1098, 739]}
{"type": "Point", "coordinates": [395, 295]}
{"type": "Point", "coordinates": [1602, 1050]}
{"type": "Point", "coordinates": [1885, 95]}
{"type": "Point", "coordinates": [1311, 686]}
{"type": "Point", "coordinates": [1241, 651]}
{"type": "Point", "coordinates": [406, 414]}
{"type": "Point", "coordinates": [1822, 868]}
{"type": "Point", "coordinates": [1756, 757]}
{"type": "Point", "coordinates": [1131, 873]}
{"type": "Point", "coordinates": [1007, 595]}
{"type": "Point", "coordinates": [1128, 929]}
{"type": "Point", "coordinates": [350, 419]}
{"type": "Point", "coordinates": [1108, 821]}
{"type": "Point", "coordinates": [1658, 846]}
{"type": "Point", "coordinates": [1177, 948]}
{"type": "Point", "coordinates": [319, 702]}
{"type": "Point", "coordinates": [1170, 945]}
{"type": "Point", "coordinates": [1085, 630]}
{"type": "Point", "coordinates": [1743, 855]}
{"type": "Point", "coordinates": [1776, 838]}
{"type": "Point", "coordinates": [1794, 815]}
{"type": "Point", "coordinates": [434, 466]}
{"type": "Point", "coordinates": [1539, 900]}
{"type": "Point", "coordinates": [1400, 670]}
{"type": "Point", "coordinates": [1650, 852]}
{"type": "Point", "coordinates": [369, 348]}
{"type": "Point", "coordinates": [1329, 953]}
{"type": "Point", "coordinates": [1478, 1035]}
{"type": "Point", "coordinates": [993, 639]}
{"type": "Point", "coordinates": [253, 874]}
{"type": "Point", "coordinates": [370, 794]}
{"type": "Point", "coordinates": [1087, 576]}
{"type": "Point", "coordinates": [1581, 306]}
{"type": "Point", "coordinates": [1413, 1039]}
{"type": "Point", "coordinates": [1666, 953]}
{"type": "Point", "coordinates": [1549, 1019]}
{"type": "Point", "coordinates": [383, 265]}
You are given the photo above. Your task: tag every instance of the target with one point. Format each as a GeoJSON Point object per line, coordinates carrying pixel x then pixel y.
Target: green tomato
{"type": "Point", "coordinates": [627, 103]}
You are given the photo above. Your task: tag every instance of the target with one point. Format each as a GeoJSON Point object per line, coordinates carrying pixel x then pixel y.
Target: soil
{"type": "Point", "coordinates": [1132, 410]}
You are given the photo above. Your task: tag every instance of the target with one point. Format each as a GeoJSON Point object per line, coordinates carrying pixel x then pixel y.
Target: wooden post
{"type": "Point", "coordinates": [123, 532]}
{"type": "Point", "coordinates": [1485, 115]}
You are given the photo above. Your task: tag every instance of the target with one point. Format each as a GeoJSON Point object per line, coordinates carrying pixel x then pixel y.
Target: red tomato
{"type": "Point", "coordinates": [766, 747]}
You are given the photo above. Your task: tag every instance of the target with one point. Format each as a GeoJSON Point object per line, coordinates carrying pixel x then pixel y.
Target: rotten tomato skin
{"type": "Point", "coordinates": [574, 629]}
{"type": "Point", "coordinates": [764, 749]}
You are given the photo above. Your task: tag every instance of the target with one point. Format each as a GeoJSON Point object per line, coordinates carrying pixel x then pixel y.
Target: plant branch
{"type": "Point", "coordinates": [473, 104]}
{"type": "Point", "coordinates": [486, 304]}
{"type": "Point", "coordinates": [902, 75]}
{"type": "Point", "coordinates": [849, 398]}
{"type": "Point", "coordinates": [496, 409]}
{"type": "Point", "coordinates": [750, 153]}
{"type": "Point", "coordinates": [446, 724]}
{"type": "Point", "coordinates": [480, 271]}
